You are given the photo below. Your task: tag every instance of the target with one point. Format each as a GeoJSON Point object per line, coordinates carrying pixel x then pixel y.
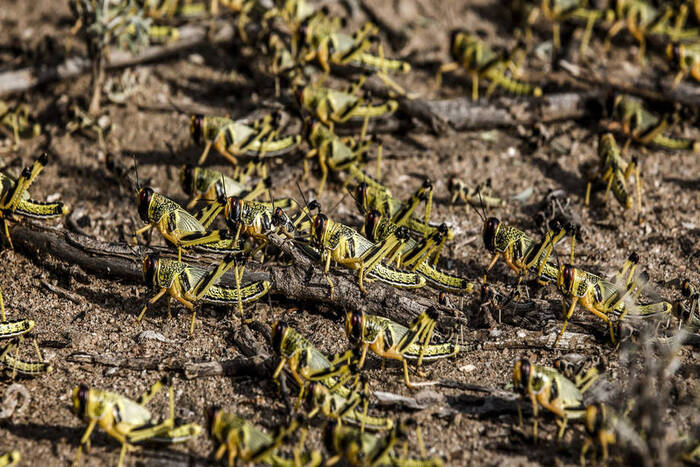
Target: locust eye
{"type": "Point", "coordinates": [149, 268]}
{"type": "Point", "coordinates": [235, 206]}
{"type": "Point", "coordinates": [354, 327]}
{"type": "Point", "coordinates": [371, 221]}
{"type": "Point", "coordinates": [196, 127]}
{"type": "Point", "coordinates": [361, 191]}
{"type": "Point", "coordinates": [212, 414]}
{"type": "Point", "coordinates": [278, 332]}
{"type": "Point", "coordinates": [568, 275]}
{"type": "Point", "coordinates": [145, 195]}
{"type": "Point", "coordinates": [320, 225]}
{"type": "Point", "coordinates": [81, 399]}
{"type": "Point", "coordinates": [187, 179]}
{"type": "Point", "coordinates": [490, 227]}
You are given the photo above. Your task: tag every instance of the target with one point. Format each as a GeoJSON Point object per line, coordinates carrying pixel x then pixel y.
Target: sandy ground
{"type": "Point", "coordinates": [101, 318]}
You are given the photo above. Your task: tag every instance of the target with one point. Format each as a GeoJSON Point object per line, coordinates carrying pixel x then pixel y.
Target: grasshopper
{"type": "Point", "coordinates": [333, 106]}
{"type": "Point", "coordinates": [547, 388]}
{"type": "Point", "coordinates": [414, 254]}
{"type": "Point", "coordinates": [303, 361]}
{"type": "Point", "coordinates": [319, 34]}
{"type": "Point", "coordinates": [335, 153]}
{"type": "Point", "coordinates": [170, 9]}
{"type": "Point", "coordinates": [311, 370]}
{"type": "Point", "coordinates": [18, 122]}
{"type": "Point", "coordinates": [179, 228]}
{"type": "Point", "coordinates": [364, 449]}
{"type": "Point", "coordinates": [480, 61]}
{"type": "Point", "coordinates": [604, 298]}
{"type": "Point", "coordinates": [209, 185]}
{"type": "Point", "coordinates": [370, 195]}
{"type": "Point", "coordinates": [10, 459]}
{"type": "Point", "coordinates": [463, 192]}
{"type": "Point", "coordinates": [685, 60]}
{"type": "Point", "coordinates": [14, 331]}
{"type": "Point", "coordinates": [691, 313]}
{"type": "Point", "coordinates": [520, 252]}
{"type": "Point", "coordinates": [320, 398]}
{"type": "Point", "coordinates": [611, 172]}
{"type": "Point", "coordinates": [126, 420]}
{"type": "Point", "coordinates": [242, 440]}
{"type": "Point", "coordinates": [25, 368]}
{"type": "Point", "coordinates": [344, 245]}
{"type": "Point", "coordinates": [233, 138]}
{"type": "Point", "coordinates": [253, 219]}
{"type": "Point", "coordinates": [600, 426]}
{"type": "Point", "coordinates": [189, 284]}
{"type": "Point", "coordinates": [388, 339]}
{"type": "Point", "coordinates": [582, 371]}
{"type": "Point", "coordinates": [558, 11]}
{"type": "Point", "coordinates": [640, 125]}
{"type": "Point", "coordinates": [642, 18]}
{"type": "Point", "coordinates": [15, 199]}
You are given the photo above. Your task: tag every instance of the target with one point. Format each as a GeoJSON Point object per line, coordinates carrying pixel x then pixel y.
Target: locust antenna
{"type": "Point", "coordinates": [136, 170]}
{"type": "Point", "coordinates": [481, 216]}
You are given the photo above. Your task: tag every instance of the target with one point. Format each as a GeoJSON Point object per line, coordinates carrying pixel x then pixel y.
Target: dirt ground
{"type": "Point", "coordinates": [462, 427]}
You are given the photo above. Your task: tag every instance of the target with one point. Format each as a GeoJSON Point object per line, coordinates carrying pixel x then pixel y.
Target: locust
{"type": "Point", "coordinates": [480, 61]}
{"type": "Point", "coordinates": [642, 18]}
{"type": "Point", "coordinates": [691, 313]}
{"type": "Point", "coordinates": [16, 201]}
{"type": "Point", "coordinates": [332, 106]}
{"type": "Point", "coordinates": [363, 449]}
{"type": "Point", "coordinates": [18, 121]}
{"type": "Point", "coordinates": [334, 153]}
{"type": "Point", "coordinates": [463, 192]}
{"type": "Point", "coordinates": [684, 59]}
{"type": "Point", "coordinates": [559, 11]}
{"type": "Point", "coordinates": [209, 185]}
{"type": "Point", "coordinates": [611, 172]}
{"type": "Point", "coordinates": [126, 420]}
{"type": "Point", "coordinates": [10, 459]}
{"type": "Point", "coordinates": [233, 138]}
{"type": "Point", "coordinates": [344, 245]}
{"type": "Point", "coordinates": [639, 124]}
{"type": "Point", "coordinates": [414, 254]}
{"type": "Point", "coordinates": [522, 253]}
{"type": "Point", "coordinates": [239, 439]}
{"type": "Point", "coordinates": [178, 227]}
{"type": "Point", "coordinates": [13, 332]}
{"type": "Point", "coordinates": [600, 424]}
{"type": "Point", "coordinates": [370, 195]}
{"type": "Point", "coordinates": [320, 37]}
{"type": "Point", "coordinates": [188, 284]}
{"type": "Point", "coordinates": [303, 361]}
{"type": "Point", "coordinates": [604, 298]}
{"type": "Point", "coordinates": [547, 388]}
{"type": "Point", "coordinates": [391, 340]}
{"type": "Point", "coordinates": [343, 409]}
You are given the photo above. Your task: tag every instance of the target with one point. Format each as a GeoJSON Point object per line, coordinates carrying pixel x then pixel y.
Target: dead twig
{"type": "Point", "coordinates": [302, 281]}
{"type": "Point", "coordinates": [258, 365]}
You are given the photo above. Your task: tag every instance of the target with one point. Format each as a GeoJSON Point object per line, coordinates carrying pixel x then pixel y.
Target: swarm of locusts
{"type": "Point", "coordinates": [233, 215]}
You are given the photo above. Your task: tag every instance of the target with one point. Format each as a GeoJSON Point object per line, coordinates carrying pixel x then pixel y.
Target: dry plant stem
{"type": "Point", "coordinates": [256, 365]}
{"type": "Point", "coordinates": [190, 36]}
{"type": "Point", "coordinates": [121, 261]}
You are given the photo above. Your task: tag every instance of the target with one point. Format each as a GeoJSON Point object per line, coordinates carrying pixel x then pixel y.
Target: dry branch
{"type": "Point", "coordinates": [302, 281]}
{"type": "Point", "coordinates": [240, 366]}
{"type": "Point", "coordinates": [190, 36]}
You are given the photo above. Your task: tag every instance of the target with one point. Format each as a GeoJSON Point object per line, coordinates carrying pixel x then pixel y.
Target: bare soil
{"type": "Point", "coordinates": [463, 428]}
